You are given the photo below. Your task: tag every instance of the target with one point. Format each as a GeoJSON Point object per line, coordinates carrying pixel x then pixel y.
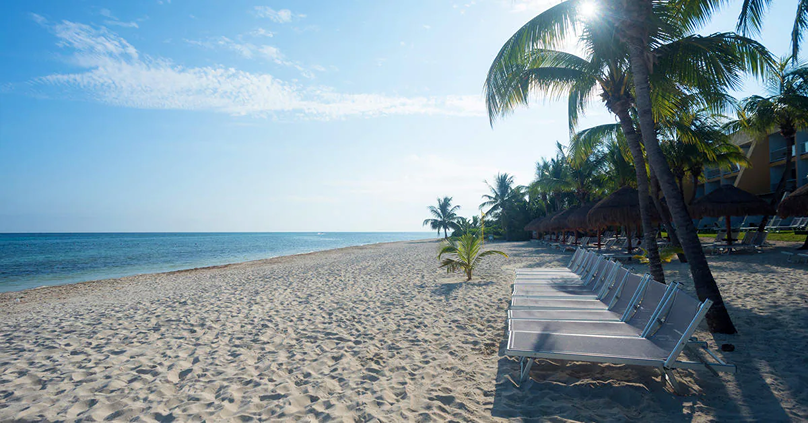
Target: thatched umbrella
{"type": "Point", "coordinates": [620, 208]}
{"type": "Point", "coordinates": [796, 204]}
{"type": "Point", "coordinates": [560, 221]}
{"type": "Point", "coordinates": [579, 218]}
{"type": "Point", "coordinates": [546, 224]}
{"type": "Point", "coordinates": [533, 226]}
{"type": "Point", "coordinates": [727, 201]}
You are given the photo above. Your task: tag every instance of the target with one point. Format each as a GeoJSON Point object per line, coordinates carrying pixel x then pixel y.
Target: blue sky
{"type": "Point", "coordinates": [180, 115]}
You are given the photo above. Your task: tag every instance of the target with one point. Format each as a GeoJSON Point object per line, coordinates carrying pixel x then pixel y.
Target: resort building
{"type": "Point", "coordinates": [767, 164]}
{"type": "Point", "coordinates": [767, 158]}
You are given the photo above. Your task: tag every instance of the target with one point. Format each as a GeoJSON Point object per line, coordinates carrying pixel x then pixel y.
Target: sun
{"type": "Point", "coordinates": [588, 9]}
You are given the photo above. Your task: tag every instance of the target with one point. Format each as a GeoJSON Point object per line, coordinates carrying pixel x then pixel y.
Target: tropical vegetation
{"type": "Point", "coordinates": [668, 87]}
{"type": "Point", "coordinates": [464, 254]}
{"type": "Point", "coordinates": [444, 216]}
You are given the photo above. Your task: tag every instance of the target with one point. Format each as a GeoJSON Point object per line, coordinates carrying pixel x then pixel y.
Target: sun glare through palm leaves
{"type": "Point", "coordinates": [588, 9]}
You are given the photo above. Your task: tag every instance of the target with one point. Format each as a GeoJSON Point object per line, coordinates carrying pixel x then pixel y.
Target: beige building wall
{"type": "Point", "coordinates": [755, 178]}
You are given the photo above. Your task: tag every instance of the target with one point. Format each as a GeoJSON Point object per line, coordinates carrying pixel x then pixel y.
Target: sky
{"type": "Point", "coordinates": [250, 115]}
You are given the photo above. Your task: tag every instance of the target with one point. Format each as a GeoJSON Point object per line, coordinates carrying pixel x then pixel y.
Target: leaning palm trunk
{"type": "Point", "coordinates": [789, 134]}
{"type": "Point", "coordinates": [664, 213]}
{"type": "Point", "coordinates": [638, 14]}
{"type": "Point", "coordinates": [633, 139]}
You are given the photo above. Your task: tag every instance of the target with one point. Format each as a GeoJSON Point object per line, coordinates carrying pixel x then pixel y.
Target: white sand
{"type": "Point", "coordinates": [368, 333]}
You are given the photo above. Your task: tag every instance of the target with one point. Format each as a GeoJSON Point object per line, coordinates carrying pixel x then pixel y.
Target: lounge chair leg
{"type": "Point", "coordinates": [671, 378]}
{"type": "Point", "coordinates": [524, 369]}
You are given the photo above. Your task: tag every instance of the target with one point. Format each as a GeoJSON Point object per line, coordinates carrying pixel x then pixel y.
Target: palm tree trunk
{"type": "Point", "coordinates": [789, 134]}
{"type": "Point", "coordinates": [638, 13]}
{"type": "Point", "coordinates": [695, 185]}
{"type": "Point", "coordinates": [663, 214]}
{"type": "Point", "coordinates": [654, 261]}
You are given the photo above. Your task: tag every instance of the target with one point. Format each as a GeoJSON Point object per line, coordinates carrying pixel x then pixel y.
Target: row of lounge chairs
{"type": "Point", "coordinates": [753, 241]}
{"type": "Point", "coordinates": [598, 311]}
{"type": "Point", "coordinates": [752, 222]}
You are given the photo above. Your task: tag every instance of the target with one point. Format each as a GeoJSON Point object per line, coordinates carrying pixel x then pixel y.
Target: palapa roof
{"type": "Point", "coordinates": [545, 225]}
{"type": "Point", "coordinates": [729, 200]}
{"type": "Point", "coordinates": [579, 218]}
{"type": "Point", "coordinates": [559, 221]}
{"type": "Point", "coordinates": [534, 224]}
{"type": "Point", "coordinates": [796, 204]}
{"type": "Point", "coordinates": [620, 208]}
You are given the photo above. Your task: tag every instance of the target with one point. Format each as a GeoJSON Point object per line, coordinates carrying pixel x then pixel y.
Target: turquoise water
{"type": "Point", "coordinates": [33, 260]}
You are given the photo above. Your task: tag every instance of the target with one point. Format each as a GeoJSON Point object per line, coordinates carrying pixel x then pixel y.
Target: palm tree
{"type": "Point", "coordinates": [502, 196]}
{"type": "Point", "coordinates": [519, 69]}
{"type": "Point", "coordinates": [444, 216]}
{"type": "Point", "coordinates": [751, 20]}
{"type": "Point", "coordinates": [642, 24]}
{"type": "Point", "coordinates": [785, 110]}
{"type": "Point", "coordinates": [639, 24]}
{"type": "Point", "coordinates": [694, 140]}
{"type": "Point", "coordinates": [467, 226]}
{"type": "Point", "coordinates": [465, 254]}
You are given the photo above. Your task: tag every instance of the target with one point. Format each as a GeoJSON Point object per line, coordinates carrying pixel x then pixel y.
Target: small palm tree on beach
{"type": "Point", "coordinates": [444, 216]}
{"type": "Point", "coordinates": [464, 254]}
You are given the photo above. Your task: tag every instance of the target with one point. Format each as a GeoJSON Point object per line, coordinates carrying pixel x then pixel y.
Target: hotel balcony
{"type": "Point", "coordinates": [712, 173]}
{"type": "Point", "coordinates": [780, 153]}
{"type": "Point", "coordinates": [732, 169]}
{"type": "Point", "coordinates": [791, 185]}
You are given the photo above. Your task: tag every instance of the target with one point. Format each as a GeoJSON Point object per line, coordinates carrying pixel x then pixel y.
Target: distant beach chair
{"type": "Point", "coordinates": [799, 223]}
{"type": "Point", "coordinates": [745, 244]}
{"type": "Point", "coordinates": [795, 257]}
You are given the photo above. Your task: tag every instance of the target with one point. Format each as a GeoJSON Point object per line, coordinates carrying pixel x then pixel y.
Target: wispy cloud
{"type": "Point", "coordinates": [261, 32]}
{"type": "Point", "coordinates": [113, 21]}
{"type": "Point", "coordinates": [114, 72]}
{"type": "Point", "coordinates": [279, 16]}
{"type": "Point", "coordinates": [251, 51]}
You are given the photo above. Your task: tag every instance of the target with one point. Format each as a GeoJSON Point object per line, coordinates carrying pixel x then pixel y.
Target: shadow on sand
{"type": "Point", "coordinates": [447, 289]}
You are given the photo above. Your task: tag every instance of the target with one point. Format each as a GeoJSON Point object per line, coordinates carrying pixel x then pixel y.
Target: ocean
{"type": "Point", "coordinates": [34, 260]}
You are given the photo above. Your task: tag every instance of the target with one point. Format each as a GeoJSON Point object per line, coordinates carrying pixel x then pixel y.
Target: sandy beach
{"type": "Point", "coordinates": [371, 333]}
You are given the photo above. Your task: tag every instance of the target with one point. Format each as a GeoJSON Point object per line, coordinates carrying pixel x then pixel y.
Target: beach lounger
{"type": "Point", "coordinates": [626, 295]}
{"type": "Point", "coordinates": [580, 266]}
{"type": "Point", "coordinates": [593, 290]}
{"type": "Point", "coordinates": [746, 243]}
{"type": "Point", "coordinates": [643, 319]}
{"type": "Point", "coordinates": [620, 300]}
{"type": "Point", "coordinates": [795, 257]}
{"type": "Point", "coordinates": [659, 348]}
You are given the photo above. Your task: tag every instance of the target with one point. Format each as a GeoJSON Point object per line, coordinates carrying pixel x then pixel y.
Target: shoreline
{"type": "Point", "coordinates": [11, 297]}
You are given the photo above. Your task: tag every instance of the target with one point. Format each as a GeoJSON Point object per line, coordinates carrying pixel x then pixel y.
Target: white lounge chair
{"type": "Point", "coordinates": [659, 347]}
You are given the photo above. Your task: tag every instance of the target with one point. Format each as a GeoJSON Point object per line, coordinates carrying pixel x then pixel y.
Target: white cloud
{"type": "Point", "coordinates": [279, 16]}
{"type": "Point", "coordinates": [113, 21]}
{"type": "Point", "coordinates": [115, 73]}
{"type": "Point", "coordinates": [250, 51]}
{"type": "Point", "coordinates": [261, 32]}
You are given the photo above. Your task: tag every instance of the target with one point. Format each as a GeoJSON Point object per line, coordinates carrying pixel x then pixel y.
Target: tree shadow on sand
{"type": "Point", "coordinates": [595, 392]}
{"type": "Point", "coordinates": [447, 289]}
